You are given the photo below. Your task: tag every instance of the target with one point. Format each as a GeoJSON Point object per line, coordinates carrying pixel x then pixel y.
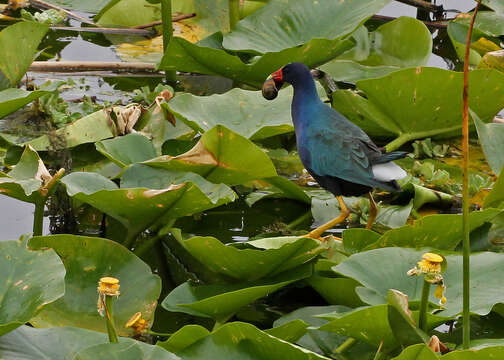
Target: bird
{"type": "Point", "coordinates": [338, 154]}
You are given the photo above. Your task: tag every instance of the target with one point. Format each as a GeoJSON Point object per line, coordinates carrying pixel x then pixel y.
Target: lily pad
{"type": "Point", "coordinates": [250, 264]}
{"type": "Point", "coordinates": [493, 60]}
{"type": "Point", "coordinates": [184, 337]}
{"type": "Point", "coordinates": [18, 46]}
{"type": "Point", "coordinates": [351, 71]}
{"type": "Point", "coordinates": [127, 350]}
{"type": "Point", "coordinates": [491, 136]}
{"type": "Point", "coordinates": [32, 279]}
{"type": "Point", "coordinates": [279, 25]}
{"type": "Point", "coordinates": [245, 112]}
{"type": "Point", "coordinates": [400, 43]}
{"type": "Point", "coordinates": [425, 232]}
{"type": "Point", "coordinates": [415, 112]}
{"type": "Point", "coordinates": [29, 343]}
{"type": "Point", "coordinates": [89, 129]}
{"type": "Point", "coordinates": [13, 99]}
{"type": "Point", "coordinates": [128, 13]}
{"type": "Point", "coordinates": [368, 324]}
{"type": "Point", "coordinates": [90, 6]}
{"type": "Point", "coordinates": [182, 55]}
{"type": "Point", "coordinates": [417, 352]}
{"type": "Point", "coordinates": [219, 301]}
{"type": "Point", "coordinates": [422, 352]}
{"type": "Point", "coordinates": [127, 150]}
{"type": "Point", "coordinates": [316, 340]}
{"type": "Point", "coordinates": [395, 262]}
{"type": "Point", "coordinates": [27, 177]}
{"type": "Point", "coordinates": [242, 341]}
{"type": "Point", "coordinates": [496, 197]}
{"type": "Point", "coordinates": [138, 208]}
{"type": "Point", "coordinates": [221, 156]}
{"type": "Point", "coordinates": [87, 259]}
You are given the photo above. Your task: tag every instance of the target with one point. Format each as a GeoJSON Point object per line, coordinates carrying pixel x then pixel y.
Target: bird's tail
{"type": "Point", "coordinates": [386, 157]}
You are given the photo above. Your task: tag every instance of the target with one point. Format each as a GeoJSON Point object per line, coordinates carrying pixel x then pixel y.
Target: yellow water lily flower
{"type": "Point", "coordinates": [430, 263]}
{"type": "Point", "coordinates": [137, 323]}
{"type": "Point", "coordinates": [109, 286]}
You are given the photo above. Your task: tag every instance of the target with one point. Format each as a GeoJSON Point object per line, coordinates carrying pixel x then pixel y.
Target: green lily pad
{"type": "Point", "coordinates": [29, 343]}
{"type": "Point", "coordinates": [32, 280]}
{"type": "Point", "coordinates": [25, 180]}
{"type": "Point", "coordinates": [400, 43]}
{"type": "Point", "coordinates": [211, 15]}
{"type": "Point", "coordinates": [127, 150]}
{"type": "Point", "coordinates": [368, 324]}
{"type": "Point", "coordinates": [245, 112]}
{"type": "Point", "coordinates": [425, 232]}
{"type": "Point", "coordinates": [279, 25]}
{"type": "Point", "coordinates": [340, 291]}
{"type": "Point", "coordinates": [127, 350]}
{"type": "Point", "coordinates": [242, 341]}
{"type": "Point", "coordinates": [496, 197]}
{"type": "Point", "coordinates": [184, 337]}
{"type": "Point", "coordinates": [87, 259]}
{"type": "Point", "coordinates": [316, 340]}
{"type": "Point", "coordinates": [436, 115]}
{"type": "Point", "coordinates": [13, 99]}
{"type": "Point", "coordinates": [395, 262]}
{"type": "Point", "coordinates": [182, 55]}
{"type": "Point", "coordinates": [138, 208]}
{"type": "Point", "coordinates": [351, 71]}
{"type": "Point", "coordinates": [90, 6]}
{"type": "Point", "coordinates": [128, 13]}
{"type": "Point", "coordinates": [221, 156]}
{"type": "Point", "coordinates": [18, 46]}
{"type": "Point", "coordinates": [250, 264]}
{"type": "Point", "coordinates": [290, 331]}
{"type": "Point", "coordinates": [493, 60]}
{"type": "Point", "coordinates": [222, 300]}
{"type": "Point", "coordinates": [417, 352]}
{"type": "Point", "coordinates": [422, 352]}
{"type": "Point", "coordinates": [280, 188]}
{"type": "Point", "coordinates": [89, 129]}
{"type": "Point", "coordinates": [491, 136]}
{"type": "Point", "coordinates": [401, 320]}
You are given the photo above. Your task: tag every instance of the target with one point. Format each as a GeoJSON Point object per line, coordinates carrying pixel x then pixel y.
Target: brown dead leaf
{"type": "Point", "coordinates": [437, 346]}
{"type": "Point", "coordinates": [126, 118]}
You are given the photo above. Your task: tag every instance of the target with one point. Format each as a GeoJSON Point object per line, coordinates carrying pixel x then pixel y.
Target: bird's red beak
{"type": "Point", "coordinates": [278, 78]}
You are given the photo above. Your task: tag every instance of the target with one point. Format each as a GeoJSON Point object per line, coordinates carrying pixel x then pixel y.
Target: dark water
{"type": "Point", "coordinates": [16, 217]}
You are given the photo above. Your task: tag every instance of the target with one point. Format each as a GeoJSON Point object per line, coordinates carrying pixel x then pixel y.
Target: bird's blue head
{"type": "Point", "coordinates": [295, 73]}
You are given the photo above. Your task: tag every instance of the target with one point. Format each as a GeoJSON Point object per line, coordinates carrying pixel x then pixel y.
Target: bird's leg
{"type": "Point", "coordinates": [373, 211]}
{"type": "Point", "coordinates": [315, 234]}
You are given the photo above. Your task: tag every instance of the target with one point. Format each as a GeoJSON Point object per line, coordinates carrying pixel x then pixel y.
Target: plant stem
{"type": "Point", "coordinates": [424, 304]}
{"type": "Point", "coordinates": [345, 346]}
{"type": "Point", "coordinates": [466, 328]}
{"type": "Point", "coordinates": [222, 321]}
{"type": "Point", "coordinates": [109, 314]}
{"type": "Point", "coordinates": [166, 17]}
{"type": "Point", "coordinates": [38, 217]}
{"type": "Point", "coordinates": [234, 13]}
{"type": "Point", "coordinates": [299, 220]}
{"type": "Point", "coordinates": [158, 333]}
{"type": "Point", "coordinates": [378, 352]}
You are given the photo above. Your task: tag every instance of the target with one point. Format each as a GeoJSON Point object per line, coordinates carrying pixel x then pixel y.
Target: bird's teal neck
{"type": "Point", "coordinates": [305, 98]}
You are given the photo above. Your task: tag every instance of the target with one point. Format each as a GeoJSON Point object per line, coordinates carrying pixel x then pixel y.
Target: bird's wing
{"type": "Point", "coordinates": [339, 154]}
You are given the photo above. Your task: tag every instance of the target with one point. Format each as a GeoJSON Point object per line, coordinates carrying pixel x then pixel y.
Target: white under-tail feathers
{"type": "Point", "coordinates": [388, 171]}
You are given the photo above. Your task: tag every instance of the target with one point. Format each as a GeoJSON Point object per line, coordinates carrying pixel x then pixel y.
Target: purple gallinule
{"type": "Point", "coordinates": [338, 154]}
